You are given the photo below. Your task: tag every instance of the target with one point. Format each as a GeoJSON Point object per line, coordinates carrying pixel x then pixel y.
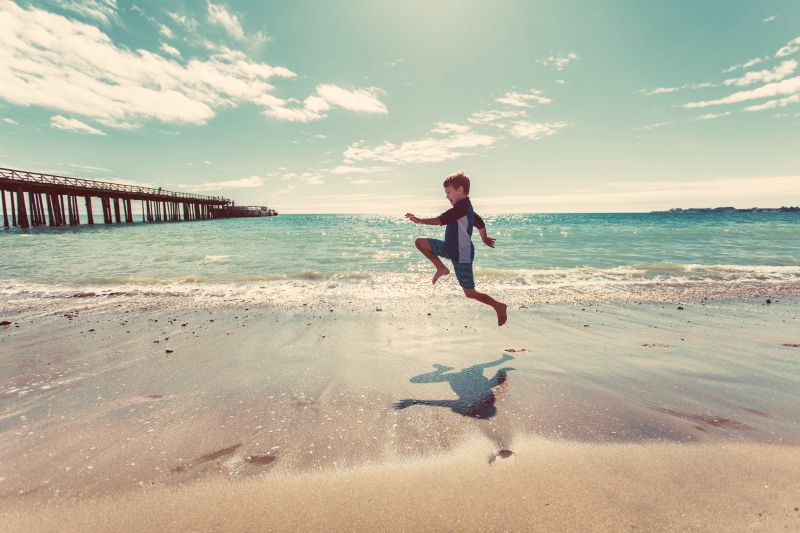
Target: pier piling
{"type": "Point", "coordinates": [5, 214]}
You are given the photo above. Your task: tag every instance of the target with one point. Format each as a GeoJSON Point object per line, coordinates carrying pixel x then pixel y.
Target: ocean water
{"type": "Point", "coordinates": [531, 249]}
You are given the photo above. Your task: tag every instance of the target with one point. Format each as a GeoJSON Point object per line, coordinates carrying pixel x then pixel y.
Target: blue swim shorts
{"type": "Point", "coordinates": [463, 270]}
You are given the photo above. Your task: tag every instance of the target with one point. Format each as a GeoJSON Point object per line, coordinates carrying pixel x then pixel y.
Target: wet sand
{"type": "Point", "coordinates": [131, 414]}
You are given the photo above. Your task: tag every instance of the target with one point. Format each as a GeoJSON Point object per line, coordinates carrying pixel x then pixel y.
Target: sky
{"type": "Point", "coordinates": [354, 106]}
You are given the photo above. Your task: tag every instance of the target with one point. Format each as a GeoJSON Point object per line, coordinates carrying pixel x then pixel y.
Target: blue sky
{"type": "Point", "coordinates": [364, 107]}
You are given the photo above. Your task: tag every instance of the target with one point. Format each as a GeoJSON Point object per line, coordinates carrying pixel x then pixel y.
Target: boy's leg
{"type": "Point", "coordinates": [467, 282]}
{"type": "Point", "coordinates": [499, 307]}
{"type": "Point", "coordinates": [425, 247]}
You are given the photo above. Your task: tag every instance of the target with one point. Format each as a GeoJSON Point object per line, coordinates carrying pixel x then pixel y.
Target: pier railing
{"type": "Point", "coordinates": [10, 176]}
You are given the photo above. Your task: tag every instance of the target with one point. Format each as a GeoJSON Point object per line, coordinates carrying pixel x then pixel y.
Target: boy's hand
{"type": "Point", "coordinates": [488, 241]}
{"type": "Point", "coordinates": [412, 218]}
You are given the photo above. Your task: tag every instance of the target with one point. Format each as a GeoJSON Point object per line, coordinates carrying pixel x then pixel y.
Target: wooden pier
{"type": "Point", "coordinates": [54, 199]}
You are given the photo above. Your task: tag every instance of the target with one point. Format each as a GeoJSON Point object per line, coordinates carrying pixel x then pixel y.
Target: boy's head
{"type": "Point", "coordinates": [456, 187]}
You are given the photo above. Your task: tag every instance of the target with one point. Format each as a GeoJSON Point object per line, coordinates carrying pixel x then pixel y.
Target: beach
{"type": "Point", "coordinates": [400, 409]}
{"type": "Point", "coordinates": [399, 266]}
{"type": "Point", "coordinates": [302, 372]}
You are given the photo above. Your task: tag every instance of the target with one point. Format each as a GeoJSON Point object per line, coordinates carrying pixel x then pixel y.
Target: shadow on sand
{"type": "Point", "coordinates": [476, 394]}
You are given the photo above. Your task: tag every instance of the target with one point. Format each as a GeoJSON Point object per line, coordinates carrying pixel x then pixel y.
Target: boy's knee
{"type": "Point", "coordinates": [422, 243]}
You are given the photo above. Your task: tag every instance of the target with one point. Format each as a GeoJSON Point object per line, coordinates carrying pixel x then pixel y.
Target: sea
{"type": "Point", "coordinates": [554, 253]}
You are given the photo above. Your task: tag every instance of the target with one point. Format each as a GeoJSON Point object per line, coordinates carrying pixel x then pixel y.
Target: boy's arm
{"type": "Point", "coordinates": [429, 221]}
{"type": "Point", "coordinates": [481, 225]}
{"type": "Point", "coordinates": [449, 216]}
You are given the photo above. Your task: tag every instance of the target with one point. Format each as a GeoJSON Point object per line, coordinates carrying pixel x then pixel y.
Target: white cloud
{"type": "Point", "coordinates": [428, 150]}
{"type": "Point", "coordinates": [291, 115]}
{"type": "Point", "coordinates": [450, 140]}
{"type": "Point", "coordinates": [535, 130]}
{"type": "Point", "coordinates": [243, 183]}
{"type": "Point", "coordinates": [51, 61]}
{"type": "Point", "coordinates": [11, 121]}
{"type": "Point", "coordinates": [523, 99]}
{"type": "Point", "coordinates": [764, 76]}
{"type": "Point", "coordinates": [363, 100]}
{"type": "Point", "coordinates": [72, 124]}
{"type": "Point", "coordinates": [103, 11]}
{"type": "Point", "coordinates": [781, 102]}
{"type": "Point", "coordinates": [788, 86]}
{"type": "Point", "coordinates": [769, 19]}
{"type": "Point", "coordinates": [558, 61]}
{"type": "Point", "coordinates": [166, 32]}
{"type": "Point", "coordinates": [449, 127]}
{"type": "Point", "coordinates": [711, 116]}
{"type": "Point", "coordinates": [171, 50]}
{"type": "Point", "coordinates": [746, 64]}
{"type": "Point", "coordinates": [494, 116]}
{"type": "Point", "coordinates": [654, 126]}
{"type": "Point", "coordinates": [667, 90]}
{"type": "Point", "coordinates": [219, 14]}
{"type": "Point", "coordinates": [307, 178]}
{"type": "Point", "coordinates": [327, 96]}
{"type": "Point", "coordinates": [299, 181]}
{"type": "Point", "coordinates": [790, 48]}
{"type": "Point", "coordinates": [183, 20]}
{"type": "Point", "coordinates": [659, 90]}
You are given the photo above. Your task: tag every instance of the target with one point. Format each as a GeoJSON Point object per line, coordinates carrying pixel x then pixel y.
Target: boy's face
{"type": "Point", "coordinates": [454, 195]}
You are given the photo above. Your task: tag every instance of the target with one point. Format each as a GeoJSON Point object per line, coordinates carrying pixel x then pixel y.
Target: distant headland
{"type": "Point", "coordinates": [782, 209]}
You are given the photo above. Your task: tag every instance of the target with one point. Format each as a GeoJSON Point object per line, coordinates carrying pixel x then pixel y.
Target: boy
{"type": "Point", "coordinates": [457, 245]}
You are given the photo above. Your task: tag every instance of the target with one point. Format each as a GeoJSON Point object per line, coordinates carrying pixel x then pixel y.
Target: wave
{"type": "Point", "coordinates": [677, 267]}
{"type": "Point", "coordinates": [679, 283]}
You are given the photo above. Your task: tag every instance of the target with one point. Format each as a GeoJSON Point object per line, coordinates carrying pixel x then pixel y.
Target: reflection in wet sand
{"type": "Point", "coordinates": [476, 393]}
{"type": "Point", "coordinates": [477, 397]}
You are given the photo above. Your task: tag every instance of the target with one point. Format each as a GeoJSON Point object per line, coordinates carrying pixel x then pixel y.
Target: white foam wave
{"type": "Point", "coordinates": [516, 287]}
{"type": "Point", "coordinates": [216, 258]}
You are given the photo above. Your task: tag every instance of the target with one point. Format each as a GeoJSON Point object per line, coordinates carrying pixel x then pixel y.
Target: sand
{"type": "Point", "coordinates": [123, 413]}
{"type": "Point", "coordinates": [545, 486]}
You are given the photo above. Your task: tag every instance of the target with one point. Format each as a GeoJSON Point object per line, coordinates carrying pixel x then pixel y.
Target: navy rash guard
{"type": "Point", "coordinates": [458, 235]}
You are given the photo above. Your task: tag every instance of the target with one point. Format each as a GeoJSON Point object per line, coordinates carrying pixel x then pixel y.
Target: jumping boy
{"type": "Point", "coordinates": [457, 245]}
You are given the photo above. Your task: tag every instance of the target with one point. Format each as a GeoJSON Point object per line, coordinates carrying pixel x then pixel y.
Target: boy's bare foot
{"type": "Point", "coordinates": [439, 273]}
{"type": "Point", "coordinates": [502, 316]}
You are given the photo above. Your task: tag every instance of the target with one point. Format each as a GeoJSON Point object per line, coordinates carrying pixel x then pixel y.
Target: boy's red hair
{"type": "Point", "coordinates": [458, 180]}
